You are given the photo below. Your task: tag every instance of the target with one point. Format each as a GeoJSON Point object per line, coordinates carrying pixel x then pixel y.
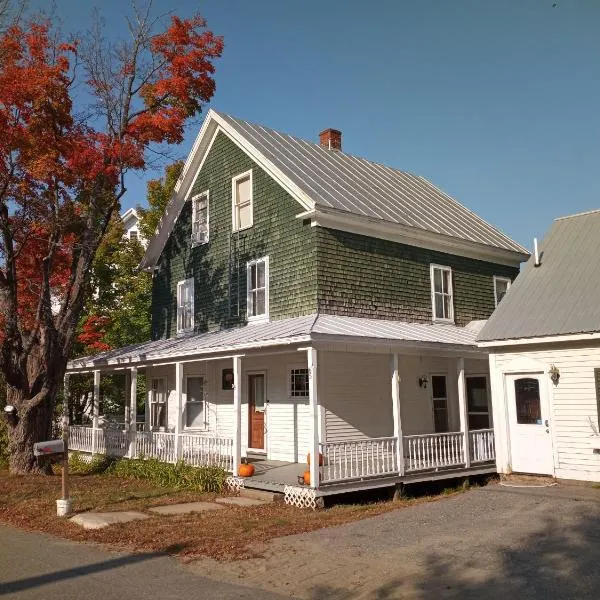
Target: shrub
{"type": "Point", "coordinates": [83, 465]}
{"type": "Point", "coordinates": [178, 476]}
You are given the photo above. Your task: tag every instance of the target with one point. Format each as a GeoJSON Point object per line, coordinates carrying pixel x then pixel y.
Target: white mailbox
{"type": "Point", "coordinates": [51, 448]}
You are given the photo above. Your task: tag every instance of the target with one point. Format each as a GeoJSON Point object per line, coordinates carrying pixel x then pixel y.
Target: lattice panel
{"type": "Point", "coordinates": [301, 497]}
{"type": "Point", "coordinates": [234, 484]}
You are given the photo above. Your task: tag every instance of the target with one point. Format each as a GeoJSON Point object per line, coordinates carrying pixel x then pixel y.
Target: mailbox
{"type": "Point", "coordinates": [51, 449]}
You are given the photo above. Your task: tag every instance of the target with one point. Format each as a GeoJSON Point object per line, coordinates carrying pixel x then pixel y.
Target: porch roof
{"type": "Point", "coordinates": [299, 330]}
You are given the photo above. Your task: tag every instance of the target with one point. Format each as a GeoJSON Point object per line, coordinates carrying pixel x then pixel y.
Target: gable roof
{"type": "Point", "coordinates": [340, 185]}
{"type": "Point", "coordinates": [562, 295]}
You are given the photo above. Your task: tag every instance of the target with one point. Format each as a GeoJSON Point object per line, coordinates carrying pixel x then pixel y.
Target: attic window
{"type": "Point", "coordinates": [442, 301]}
{"type": "Point", "coordinates": [501, 285]}
{"type": "Point", "coordinates": [241, 204]}
{"type": "Point", "coordinates": [200, 219]}
{"type": "Point", "coordinates": [185, 306]}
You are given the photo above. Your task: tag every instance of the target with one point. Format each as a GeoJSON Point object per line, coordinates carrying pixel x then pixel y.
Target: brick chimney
{"type": "Point", "coordinates": [331, 139]}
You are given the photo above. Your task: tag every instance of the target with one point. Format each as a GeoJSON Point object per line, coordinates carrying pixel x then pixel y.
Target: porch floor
{"type": "Point", "coordinates": [273, 475]}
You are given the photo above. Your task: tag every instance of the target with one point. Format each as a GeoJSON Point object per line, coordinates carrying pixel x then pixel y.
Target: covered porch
{"type": "Point", "coordinates": [379, 402]}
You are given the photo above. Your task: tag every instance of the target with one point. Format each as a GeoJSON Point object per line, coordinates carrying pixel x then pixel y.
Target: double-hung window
{"type": "Point", "coordinates": [200, 219]}
{"type": "Point", "coordinates": [196, 415]}
{"type": "Point", "coordinates": [158, 403]}
{"type": "Point", "coordinates": [477, 401]}
{"type": "Point", "coordinates": [442, 300]}
{"type": "Point", "coordinates": [257, 278]}
{"type": "Point", "coordinates": [241, 208]}
{"type": "Point", "coordinates": [501, 285]}
{"type": "Point", "coordinates": [439, 394]}
{"type": "Point", "coordinates": [185, 306]}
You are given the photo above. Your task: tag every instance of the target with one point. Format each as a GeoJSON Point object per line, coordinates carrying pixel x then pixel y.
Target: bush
{"type": "Point", "coordinates": [178, 476]}
{"type": "Point", "coordinates": [83, 465]}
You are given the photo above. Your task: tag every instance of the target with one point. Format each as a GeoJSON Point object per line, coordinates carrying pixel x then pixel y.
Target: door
{"type": "Point", "coordinates": [256, 408]}
{"type": "Point", "coordinates": [529, 424]}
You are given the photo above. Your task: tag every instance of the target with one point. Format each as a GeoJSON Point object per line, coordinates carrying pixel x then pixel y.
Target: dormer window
{"type": "Point", "coordinates": [185, 306]}
{"type": "Point", "coordinates": [501, 285]}
{"type": "Point", "coordinates": [241, 206]}
{"type": "Point", "coordinates": [200, 219]}
{"type": "Point", "coordinates": [442, 301]}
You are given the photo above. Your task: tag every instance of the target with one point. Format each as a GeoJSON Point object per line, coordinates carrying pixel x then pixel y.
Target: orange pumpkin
{"type": "Point", "coordinates": [246, 470]}
{"type": "Point", "coordinates": [320, 459]}
{"type": "Point", "coordinates": [306, 477]}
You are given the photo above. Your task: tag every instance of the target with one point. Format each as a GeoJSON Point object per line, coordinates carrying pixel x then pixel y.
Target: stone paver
{"type": "Point", "coordinates": [185, 508]}
{"type": "Point", "coordinates": [94, 520]}
{"type": "Point", "coordinates": [241, 501]}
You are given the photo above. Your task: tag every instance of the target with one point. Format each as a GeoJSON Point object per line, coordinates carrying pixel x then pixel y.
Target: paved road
{"type": "Point", "coordinates": [489, 543]}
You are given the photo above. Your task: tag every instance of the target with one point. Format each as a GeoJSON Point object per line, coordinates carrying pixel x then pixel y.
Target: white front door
{"type": "Point", "coordinates": [529, 424]}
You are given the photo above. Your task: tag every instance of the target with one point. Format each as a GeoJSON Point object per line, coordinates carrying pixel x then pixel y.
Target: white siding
{"type": "Point", "coordinates": [572, 404]}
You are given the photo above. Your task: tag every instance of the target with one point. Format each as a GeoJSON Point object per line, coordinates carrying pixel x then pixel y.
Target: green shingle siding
{"type": "Point", "coordinates": [361, 276]}
{"type": "Point", "coordinates": [289, 243]}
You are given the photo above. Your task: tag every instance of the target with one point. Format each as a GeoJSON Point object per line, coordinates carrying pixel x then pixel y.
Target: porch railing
{"type": "Point", "coordinates": [482, 445]}
{"type": "Point", "coordinates": [155, 444]}
{"type": "Point", "coordinates": [80, 438]}
{"type": "Point", "coordinates": [199, 450]}
{"type": "Point", "coordinates": [359, 459]}
{"type": "Point", "coordinates": [432, 451]}
{"type": "Point", "coordinates": [113, 442]}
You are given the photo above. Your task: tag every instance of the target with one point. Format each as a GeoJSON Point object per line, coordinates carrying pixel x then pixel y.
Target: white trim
{"type": "Point", "coordinates": [195, 236]}
{"type": "Point", "coordinates": [489, 397]}
{"type": "Point", "coordinates": [498, 278]}
{"type": "Point", "coordinates": [234, 180]}
{"type": "Point", "coordinates": [463, 409]}
{"type": "Point", "coordinates": [262, 317]}
{"type": "Point", "coordinates": [551, 339]}
{"type": "Point", "coordinates": [313, 404]}
{"type": "Point", "coordinates": [180, 285]}
{"type": "Point", "coordinates": [450, 293]}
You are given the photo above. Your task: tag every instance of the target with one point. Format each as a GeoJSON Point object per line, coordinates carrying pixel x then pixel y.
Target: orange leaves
{"type": "Point", "coordinates": [93, 332]}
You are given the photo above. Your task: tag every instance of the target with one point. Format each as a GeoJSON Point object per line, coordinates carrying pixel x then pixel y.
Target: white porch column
{"type": "Point", "coordinates": [237, 413]}
{"type": "Point", "coordinates": [132, 411]}
{"type": "Point", "coordinates": [95, 411]}
{"type": "Point", "coordinates": [127, 403]}
{"type": "Point", "coordinates": [396, 413]}
{"type": "Point", "coordinates": [179, 404]}
{"type": "Point", "coordinates": [313, 400]}
{"type": "Point", "coordinates": [463, 410]}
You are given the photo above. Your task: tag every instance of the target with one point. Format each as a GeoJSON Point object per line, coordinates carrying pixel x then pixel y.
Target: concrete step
{"type": "Point", "coordinates": [260, 495]}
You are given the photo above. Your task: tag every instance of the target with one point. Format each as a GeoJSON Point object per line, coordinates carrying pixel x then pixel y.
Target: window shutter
{"type": "Point", "coordinates": [597, 380]}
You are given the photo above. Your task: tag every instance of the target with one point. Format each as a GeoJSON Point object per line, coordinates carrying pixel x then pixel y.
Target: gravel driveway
{"type": "Point", "coordinates": [491, 542]}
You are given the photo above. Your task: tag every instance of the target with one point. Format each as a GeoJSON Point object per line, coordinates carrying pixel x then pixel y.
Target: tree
{"type": "Point", "coordinates": [62, 176]}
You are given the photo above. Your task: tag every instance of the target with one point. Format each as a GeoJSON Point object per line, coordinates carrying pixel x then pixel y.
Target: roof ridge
{"type": "Point", "coordinates": [580, 214]}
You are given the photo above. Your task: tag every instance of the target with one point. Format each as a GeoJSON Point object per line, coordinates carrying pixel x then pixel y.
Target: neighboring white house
{"type": "Point", "coordinates": [131, 220]}
{"type": "Point", "coordinates": [544, 344]}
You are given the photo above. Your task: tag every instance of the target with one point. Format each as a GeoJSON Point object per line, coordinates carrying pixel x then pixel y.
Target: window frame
{"type": "Point", "coordinates": [204, 402]}
{"type": "Point", "coordinates": [195, 200]}
{"type": "Point", "coordinates": [432, 268]}
{"type": "Point", "coordinates": [501, 278]}
{"type": "Point", "coordinates": [489, 397]}
{"type": "Point", "coordinates": [180, 285]}
{"type": "Point", "coordinates": [291, 390]}
{"type": "Point", "coordinates": [445, 398]}
{"type": "Point", "coordinates": [262, 317]}
{"type": "Point", "coordinates": [152, 403]}
{"type": "Point", "coordinates": [234, 213]}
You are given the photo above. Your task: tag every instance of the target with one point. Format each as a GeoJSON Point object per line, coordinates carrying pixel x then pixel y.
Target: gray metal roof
{"type": "Point", "coordinates": [562, 295]}
{"type": "Point", "coordinates": [287, 331]}
{"type": "Point", "coordinates": [340, 181]}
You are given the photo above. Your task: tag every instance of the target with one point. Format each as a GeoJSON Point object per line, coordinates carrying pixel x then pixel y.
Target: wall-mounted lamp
{"type": "Point", "coordinates": [554, 374]}
{"type": "Point", "coordinates": [423, 381]}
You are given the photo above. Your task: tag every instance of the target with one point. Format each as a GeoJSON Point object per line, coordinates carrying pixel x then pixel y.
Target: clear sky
{"type": "Point", "coordinates": [495, 101]}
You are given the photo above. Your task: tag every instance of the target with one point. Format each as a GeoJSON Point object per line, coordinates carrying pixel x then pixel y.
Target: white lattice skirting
{"type": "Point", "coordinates": [301, 497]}
{"type": "Point", "coordinates": [234, 484]}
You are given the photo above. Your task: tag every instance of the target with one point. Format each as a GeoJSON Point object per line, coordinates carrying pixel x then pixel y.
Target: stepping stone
{"type": "Point", "coordinates": [94, 520]}
{"type": "Point", "coordinates": [241, 501]}
{"type": "Point", "coordinates": [185, 508]}
{"type": "Point", "coordinates": [260, 494]}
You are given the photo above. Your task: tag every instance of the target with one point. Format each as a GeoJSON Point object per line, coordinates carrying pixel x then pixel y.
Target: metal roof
{"type": "Point", "coordinates": [284, 332]}
{"type": "Point", "coordinates": [562, 295]}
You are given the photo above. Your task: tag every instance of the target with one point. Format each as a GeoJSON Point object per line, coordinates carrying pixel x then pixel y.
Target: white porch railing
{"type": "Point", "coordinates": [357, 459]}
{"type": "Point", "coordinates": [155, 444]}
{"type": "Point", "coordinates": [80, 438]}
{"type": "Point", "coordinates": [432, 451]}
{"type": "Point", "coordinates": [199, 450]}
{"type": "Point", "coordinates": [482, 445]}
{"type": "Point", "coordinates": [113, 442]}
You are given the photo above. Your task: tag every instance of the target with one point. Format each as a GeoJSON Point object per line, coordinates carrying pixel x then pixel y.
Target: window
{"type": "Point", "coordinates": [441, 293]}
{"type": "Point", "coordinates": [133, 234]}
{"type": "Point", "coordinates": [477, 401]}
{"type": "Point", "coordinates": [196, 414]}
{"type": "Point", "coordinates": [440, 403]}
{"type": "Point", "coordinates": [200, 219]}
{"type": "Point", "coordinates": [501, 285]}
{"type": "Point", "coordinates": [527, 401]}
{"type": "Point", "coordinates": [185, 305]}
{"type": "Point", "coordinates": [242, 201]}
{"type": "Point", "coordinates": [257, 273]}
{"type": "Point", "coordinates": [299, 383]}
{"type": "Point", "coordinates": [158, 404]}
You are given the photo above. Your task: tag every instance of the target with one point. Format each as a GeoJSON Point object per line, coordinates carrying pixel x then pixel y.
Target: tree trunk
{"type": "Point", "coordinates": [34, 425]}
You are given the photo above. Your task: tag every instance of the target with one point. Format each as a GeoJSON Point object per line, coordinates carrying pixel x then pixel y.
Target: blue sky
{"type": "Point", "coordinates": [495, 101]}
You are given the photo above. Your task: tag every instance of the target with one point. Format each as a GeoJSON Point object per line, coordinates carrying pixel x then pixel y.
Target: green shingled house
{"type": "Point", "coordinates": [310, 301]}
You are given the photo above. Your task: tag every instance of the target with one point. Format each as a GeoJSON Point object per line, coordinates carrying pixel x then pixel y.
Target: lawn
{"type": "Point", "coordinates": [231, 533]}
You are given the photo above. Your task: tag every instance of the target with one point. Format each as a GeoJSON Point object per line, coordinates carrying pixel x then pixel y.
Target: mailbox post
{"type": "Point", "coordinates": [54, 450]}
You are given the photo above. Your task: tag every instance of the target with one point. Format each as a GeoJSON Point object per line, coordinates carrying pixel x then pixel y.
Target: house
{"type": "Point", "coordinates": [131, 219]}
{"type": "Point", "coordinates": [310, 301]}
{"type": "Point", "coordinates": [544, 344]}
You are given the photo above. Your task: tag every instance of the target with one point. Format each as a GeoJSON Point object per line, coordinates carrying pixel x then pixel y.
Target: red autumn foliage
{"type": "Point", "coordinates": [92, 333]}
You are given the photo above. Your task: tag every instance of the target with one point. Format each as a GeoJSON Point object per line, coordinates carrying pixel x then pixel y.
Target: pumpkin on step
{"type": "Point", "coordinates": [306, 477]}
{"type": "Point", "coordinates": [245, 470]}
{"type": "Point", "coordinates": [320, 459]}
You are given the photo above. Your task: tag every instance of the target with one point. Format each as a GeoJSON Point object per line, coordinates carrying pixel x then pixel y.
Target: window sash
{"type": "Point", "coordinates": [200, 216]}
{"type": "Point", "coordinates": [258, 288]}
{"type": "Point", "coordinates": [196, 414]}
{"type": "Point", "coordinates": [185, 305]}
{"type": "Point", "coordinates": [299, 383]}
{"type": "Point", "coordinates": [441, 292]}
{"type": "Point", "coordinates": [158, 404]}
{"type": "Point", "coordinates": [242, 201]}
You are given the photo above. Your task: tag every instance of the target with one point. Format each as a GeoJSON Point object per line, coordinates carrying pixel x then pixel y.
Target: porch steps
{"type": "Point", "coordinates": [261, 494]}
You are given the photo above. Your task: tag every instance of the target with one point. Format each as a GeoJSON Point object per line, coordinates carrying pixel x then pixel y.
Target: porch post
{"type": "Point", "coordinates": [179, 404]}
{"type": "Point", "coordinates": [397, 414]}
{"type": "Point", "coordinates": [95, 411]}
{"type": "Point", "coordinates": [237, 414]}
{"type": "Point", "coordinates": [127, 403]}
{"type": "Point", "coordinates": [313, 399]}
{"type": "Point", "coordinates": [132, 411]}
{"type": "Point", "coordinates": [463, 410]}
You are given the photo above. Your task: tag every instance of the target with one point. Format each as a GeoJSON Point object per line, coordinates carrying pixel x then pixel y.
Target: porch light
{"type": "Point", "coordinates": [423, 381]}
{"type": "Point", "coordinates": [554, 374]}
